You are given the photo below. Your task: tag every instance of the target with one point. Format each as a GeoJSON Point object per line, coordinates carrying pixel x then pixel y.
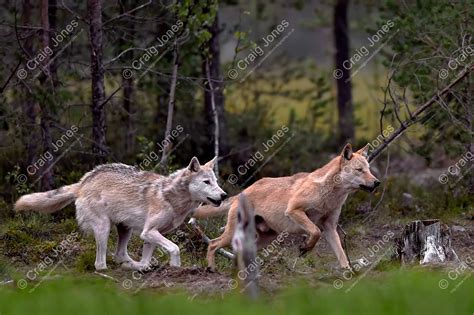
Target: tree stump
{"type": "Point", "coordinates": [425, 242]}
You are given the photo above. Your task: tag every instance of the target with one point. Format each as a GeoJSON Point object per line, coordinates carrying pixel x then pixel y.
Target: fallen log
{"type": "Point", "coordinates": [425, 242]}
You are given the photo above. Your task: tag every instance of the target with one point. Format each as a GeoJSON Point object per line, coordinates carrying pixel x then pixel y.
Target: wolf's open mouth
{"type": "Point", "coordinates": [367, 188]}
{"type": "Point", "coordinates": [214, 202]}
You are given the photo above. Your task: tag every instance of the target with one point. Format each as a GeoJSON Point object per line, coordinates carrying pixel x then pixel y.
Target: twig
{"type": "Point", "coordinates": [207, 240]}
{"type": "Point", "coordinates": [418, 112]}
{"type": "Point", "coordinates": [9, 78]}
{"type": "Point", "coordinates": [383, 191]}
{"type": "Point", "coordinates": [103, 275]}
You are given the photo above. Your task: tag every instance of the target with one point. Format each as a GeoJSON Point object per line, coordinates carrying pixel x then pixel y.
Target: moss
{"type": "Point", "coordinates": [85, 261]}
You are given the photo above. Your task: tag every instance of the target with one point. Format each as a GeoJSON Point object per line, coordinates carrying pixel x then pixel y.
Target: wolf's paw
{"type": "Point", "coordinates": [100, 267]}
{"type": "Point", "coordinates": [345, 272]}
{"type": "Point", "coordinates": [211, 269]}
{"type": "Point", "coordinates": [304, 249]}
{"type": "Point", "coordinates": [122, 259]}
{"type": "Point", "coordinates": [133, 265]}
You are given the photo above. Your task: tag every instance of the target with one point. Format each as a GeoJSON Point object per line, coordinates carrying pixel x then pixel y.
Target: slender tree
{"type": "Point", "coordinates": [30, 107]}
{"type": "Point", "coordinates": [47, 139]}
{"type": "Point", "coordinates": [99, 147]}
{"type": "Point", "coordinates": [214, 97]}
{"type": "Point", "coordinates": [171, 101]}
{"type": "Point", "coordinates": [344, 86]}
{"type": "Point", "coordinates": [128, 89]}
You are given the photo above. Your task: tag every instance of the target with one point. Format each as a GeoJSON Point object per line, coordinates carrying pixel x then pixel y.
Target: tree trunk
{"type": "Point", "coordinates": [30, 108]}
{"type": "Point", "coordinates": [47, 170]}
{"type": "Point", "coordinates": [425, 242]}
{"type": "Point", "coordinates": [213, 62]}
{"type": "Point", "coordinates": [169, 120]}
{"type": "Point", "coordinates": [215, 117]}
{"type": "Point", "coordinates": [99, 147]}
{"type": "Point", "coordinates": [128, 88]}
{"type": "Point", "coordinates": [160, 115]}
{"type": "Point", "coordinates": [52, 13]}
{"type": "Point", "coordinates": [129, 113]}
{"type": "Point", "coordinates": [343, 81]}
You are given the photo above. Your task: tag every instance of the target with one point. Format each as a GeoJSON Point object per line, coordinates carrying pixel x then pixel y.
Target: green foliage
{"type": "Point", "coordinates": [85, 261]}
{"type": "Point", "coordinates": [397, 293]}
{"type": "Point", "coordinates": [421, 51]}
{"type": "Point", "coordinates": [14, 177]}
{"type": "Point", "coordinates": [28, 238]}
{"type": "Point", "coordinates": [440, 201]}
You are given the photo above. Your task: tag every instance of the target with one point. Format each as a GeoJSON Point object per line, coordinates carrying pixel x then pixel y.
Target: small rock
{"type": "Point", "coordinates": [458, 228]}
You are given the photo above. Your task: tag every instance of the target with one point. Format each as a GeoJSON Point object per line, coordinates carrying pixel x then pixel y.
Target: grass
{"type": "Point", "coordinates": [398, 292]}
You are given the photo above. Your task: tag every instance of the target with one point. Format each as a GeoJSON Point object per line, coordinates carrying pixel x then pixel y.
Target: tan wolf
{"type": "Point", "coordinates": [133, 200]}
{"type": "Point", "coordinates": [304, 203]}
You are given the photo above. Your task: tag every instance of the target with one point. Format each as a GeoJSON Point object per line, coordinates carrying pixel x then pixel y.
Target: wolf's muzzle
{"type": "Point", "coordinates": [214, 202]}
{"type": "Point", "coordinates": [370, 188]}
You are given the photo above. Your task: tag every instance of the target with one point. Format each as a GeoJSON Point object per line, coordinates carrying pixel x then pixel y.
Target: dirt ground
{"type": "Point", "coordinates": [282, 266]}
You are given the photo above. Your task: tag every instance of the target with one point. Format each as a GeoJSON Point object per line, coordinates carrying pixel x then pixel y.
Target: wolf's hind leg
{"type": "Point", "coordinates": [101, 229]}
{"type": "Point", "coordinates": [124, 234]}
{"type": "Point", "coordinates": [222, 241]}
{"type": "Point", "coordinates": [225, 239]}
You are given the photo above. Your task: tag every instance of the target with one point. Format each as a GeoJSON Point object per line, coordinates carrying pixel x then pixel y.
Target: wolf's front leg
{"type": "Point", "coordinates": [331, 235]}
{"type": "Point", "coordinates": [299, 216]}
{"type": "Point", "coordinates": [156, 238]}
{"type": "Point", "coordinates": [144, 263]}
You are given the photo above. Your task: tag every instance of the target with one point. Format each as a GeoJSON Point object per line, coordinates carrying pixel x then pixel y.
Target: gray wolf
{"type": "Point", "coordinates": [305, 203]}
{"type": "Point", "coordinates": [133, 200]}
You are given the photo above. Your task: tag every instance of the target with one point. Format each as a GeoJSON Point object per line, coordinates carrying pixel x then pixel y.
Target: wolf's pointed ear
{"type": "Point", "coordinates": [211, 163]}
{"type": "Point", "coordinates": [364, 151]}
{"type": "Point", "coordinates": [347, 152]}
{"type": "Point", "coordinates": [194, 165]}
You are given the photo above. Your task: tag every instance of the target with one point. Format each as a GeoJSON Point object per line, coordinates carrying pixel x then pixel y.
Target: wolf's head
{"type": "Point", "coordinates": [355, 170]}
{"type": "Point", "coordinates": [203, 182]}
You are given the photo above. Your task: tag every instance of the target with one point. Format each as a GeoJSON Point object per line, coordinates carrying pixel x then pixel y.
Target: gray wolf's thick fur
{"type": "Point", "coordinates": [133, 200]}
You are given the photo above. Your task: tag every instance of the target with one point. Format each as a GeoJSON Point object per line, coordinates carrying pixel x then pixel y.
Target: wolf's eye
{"type": "Point", "coordinates": [359, 169]}
{"type": "Point", "coordinates": [207, 182]}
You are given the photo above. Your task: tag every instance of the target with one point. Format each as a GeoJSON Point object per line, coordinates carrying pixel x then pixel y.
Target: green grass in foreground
{"type": "Point", "coordinates": [401, 292]}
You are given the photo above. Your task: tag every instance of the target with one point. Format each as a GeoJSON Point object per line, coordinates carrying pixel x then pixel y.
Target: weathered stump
{"type": "Point", "coordinates": [425, 242]}
{"type": "Point", "coordinates": [245, 247]}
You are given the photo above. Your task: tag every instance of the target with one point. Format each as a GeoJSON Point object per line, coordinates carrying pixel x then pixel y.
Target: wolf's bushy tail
{"type": "Point", "coordinates": [48, 201]}
{"type": "Point", "coordinates": [208, 211]}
